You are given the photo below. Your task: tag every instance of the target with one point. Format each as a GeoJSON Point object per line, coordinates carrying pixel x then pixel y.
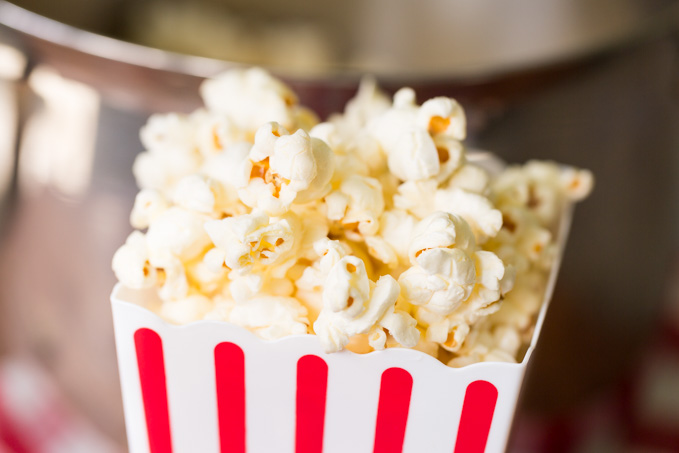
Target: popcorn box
{"type": "Point", "coordinates": [216, 387]}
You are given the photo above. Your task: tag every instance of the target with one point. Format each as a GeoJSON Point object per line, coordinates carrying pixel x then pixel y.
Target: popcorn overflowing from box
{"type": "Point", "coordinates": [301, 286]}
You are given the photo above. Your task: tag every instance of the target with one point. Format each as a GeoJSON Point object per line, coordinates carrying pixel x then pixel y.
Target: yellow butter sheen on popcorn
{"type": "Point", "coordinates": [371, 230]}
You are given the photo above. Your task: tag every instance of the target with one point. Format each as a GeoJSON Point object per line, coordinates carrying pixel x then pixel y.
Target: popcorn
{"type": "Point", "coordinates": [170, 131]}
{"type": "Point", "coordinates": [421, 143]}
{"type": "Point", "coordinates": [356, 153]}
{"type": "Point", "coordinates": [390, 245]}
{"type": "Point", "coordinates": [172, 277]}
{"type": "Point", "coordinates": [285, 169]}
{"type": "Point", "coordinates": [413, 155]}
{"type": "Point", "coordinates": [252, 239]}
{"type": "Point", "coordinates": [216, 133]}
{"type": "Point", "coordinates": [268, 317]}
{"type": "Point", "coordinates": [250, 98]}
{"type": "Point", "coordinates": [542, 187]}
{"type": "Point", "coordinates": [271, 317]}
{"type": "Point", "coordinates": [243, 286]}
{"type": "Point", "coordinates": [306, 163]}
{"type": "Point", "coordinates": [171, 152]}
{"type": "Point", "coordinates": [449, 332]}
{"type": "Point", "coordinates": [353, 305]}
{"type": "Point", "coordinates": [369, 103]}
{"type": "Point", "coordinates": [148, 205]}
{"type": "Point", "coordinates": [265, 141]}
{"type": "Point", "coordinates": [501, 344]}
{"type": "Point", "coordinates": [576, 183]}
{"type": "Point", "coordinates": [411, 152]}
{"type": "Point", "coordinates": [186, 310]}
{"type": "Point", "coordinates": [330, 252]}
{"type": "Point", "coordinates": [374, 229]}
{"type": "Point", "coordinates": [470, 178]}
{"type": "Point", "coordinates": [205, 275]}
{"type": "Point", "coordinates": [177, 232]}
{"type": "Point", "coordinates": [441, 280]}
{"type": "Point", "coordinates": [443, 273]}
{"type": "Point", "coordinates": [162, 171]}
{"type": "Point", "coordinates": [347, 286]}
{"type": "Point", "coordinates": [521, 304]}
{"type": "Point", "coordinates": [450, 155]}
{"type": "Point", "coordinates": [416, 197]}
{"type": "Point", "coordinates": [131, 263]}
{"type": "Point", "coordinates": [196, 193]}
{"type": "Point", "coordinates": [452, 283]}
{"type": "Point", "coordinates": [230, 167]}
{"type": "Point", "coordinates": [443, 117]}
{"type": "Point", "coordinates": [382, 250]}
{"type": "Point", "coordinates": [357, 204]}
{"type": "Point", "coordinates": [440, 229]}
{"type": "Point", "coordinates": [478, 211]}
{"type": "Point", "coordinates": [490, 285]}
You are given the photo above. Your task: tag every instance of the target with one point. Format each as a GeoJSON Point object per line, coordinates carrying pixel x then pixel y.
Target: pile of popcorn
{"type": "Point", "coordinates": [371, 230]}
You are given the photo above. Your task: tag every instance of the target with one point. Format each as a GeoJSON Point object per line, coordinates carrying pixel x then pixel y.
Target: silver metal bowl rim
{"type": "Point", "coordinates": [87, 42]}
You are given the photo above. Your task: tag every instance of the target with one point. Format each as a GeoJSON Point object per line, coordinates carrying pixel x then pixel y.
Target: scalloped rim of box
{"type": "Point", "coordinates": [405, 353]}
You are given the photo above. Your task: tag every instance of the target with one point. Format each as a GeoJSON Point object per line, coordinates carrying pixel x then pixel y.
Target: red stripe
{"type": "Point", "coordinates": [476, 418]}
{"type": "Point", "coordinates": [154, 389]}
{"type": "Point", "coordinates": [230, 374]}
{"type": "Point", "coordinates": [312, 385]}
{"type": "Point", "coordinates": [10, 436]}
{"type": "Point", "coordinates": [392, 410]}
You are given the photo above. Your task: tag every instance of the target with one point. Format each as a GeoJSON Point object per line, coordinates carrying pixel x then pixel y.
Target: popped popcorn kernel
{"type": "Point", "coordinates": [470, 178]}
{"type": "Point", "coordinates": [252, 239]}
{"type": "Point", "coordinates": [286, 168]}
{"type": "Point", "coordinates": [484, 220]}
{"type": "Point", "coordinates": [231, 167]}
{"type": "Point", "coordinates": [443, 117]}
{"type": "Point", "coordinates": [391, 243]}
{"type": "Point", "coordinates": [216, 133]}
{"type": "Point", "coordinates": [186, 310]}
{"type": "Point", "coordinates": [357, 205]}
{"type": "Point", "coordinates": [131, 263]}
{"type": "Point", "coordinates": [177, 232]}
{"type": "Point", "coordinates": [170, 131]}
{"type": "Point", "coordinates": [369, 102]}
{"type": "Point", "coordinates": [270, 317]}
{"type": "Point", "coordinates": [148, 205]}
{"type": "Point", "coordinates": [542, 188]}
{"type": "Point", "coordinates": [347, 286]}
{"type": "Point", "coordinates": [161, 171]}
{"type": "Point", "coordinates": [441, 229]}
{"type": "Point", "coordinates": [440, 280]}
{"type": "Point", "coordinates": [500, 344]}
{"type": "Point", "coordinates": [577, 184]}
{"type": "Point", "coordinates": [416, 197]}
{"type": "Point", "coordinates": [196, 193]}
{"type": "Point", "coordinates": [250, 98]}
{"type": "Point", "coordinates": [172, 281]}
{"type": "Point", "coordinates": [344, 317]}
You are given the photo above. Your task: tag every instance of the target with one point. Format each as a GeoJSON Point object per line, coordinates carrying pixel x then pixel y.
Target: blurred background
{"type": "Point", "coordinates": [592, 83]}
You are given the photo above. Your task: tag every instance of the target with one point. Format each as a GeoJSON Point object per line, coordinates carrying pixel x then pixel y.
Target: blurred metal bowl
{"type": "Point", "coordinates": [430, 43]}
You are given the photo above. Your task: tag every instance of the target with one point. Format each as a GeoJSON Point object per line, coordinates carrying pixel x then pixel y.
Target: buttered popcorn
{"type": "Point", "coordinates": [374, 229]}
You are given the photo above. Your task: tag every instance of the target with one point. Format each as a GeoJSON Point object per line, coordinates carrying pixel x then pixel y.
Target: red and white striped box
{"type": "Point", "coordinates": [215, 387]}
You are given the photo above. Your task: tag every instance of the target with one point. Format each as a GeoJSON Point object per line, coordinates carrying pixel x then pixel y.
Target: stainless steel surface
{"type": "Point", "coordinates": [425, 43]}
{"type": "Point", "coordinates": [392, 38]}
